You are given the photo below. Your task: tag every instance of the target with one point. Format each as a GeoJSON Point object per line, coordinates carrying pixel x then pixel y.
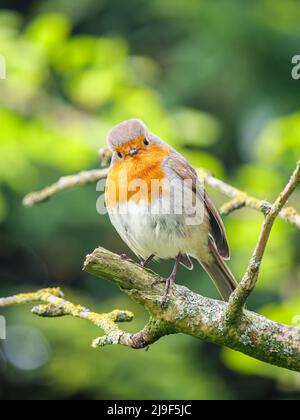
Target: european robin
{"type": "Point", "coordinates": [146, 181]}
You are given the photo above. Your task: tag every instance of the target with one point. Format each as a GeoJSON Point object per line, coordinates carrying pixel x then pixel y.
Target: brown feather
{"type": "Point", "coordinates": [185, 171]}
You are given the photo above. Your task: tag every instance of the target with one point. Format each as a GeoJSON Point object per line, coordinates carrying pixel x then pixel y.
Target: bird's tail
{"type": "Point", "coordinates": [220, 274]}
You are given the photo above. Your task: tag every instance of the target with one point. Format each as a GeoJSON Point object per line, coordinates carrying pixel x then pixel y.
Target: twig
{"type": "Point", "coordinates": [248, 283]}
{"type": "Point", "coordinates": [64, 183]}
{"type": "Point", "coordinates": [54, 305]}
{"type": "Point", "coordinates": [242, 199]}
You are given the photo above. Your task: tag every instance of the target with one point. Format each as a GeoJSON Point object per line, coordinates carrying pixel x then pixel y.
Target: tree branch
{"type": "Point", "coordinates": [64, 183]}
{"type": "Point", "coordinates": [203, 318]}
{"type": "Point", "coordinates": [186, 312]}
{"type": "Point", "coordinates": [239, 199]}
{"type": "Point", "coordinates": [248, 283]}
{"type": "Point", "coordinates": [53, 305]}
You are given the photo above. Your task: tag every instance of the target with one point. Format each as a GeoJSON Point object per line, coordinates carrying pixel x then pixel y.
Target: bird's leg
{"type": "Point", "coordinates": [146, 262]}
{"type": "Point", "coordinates": [169, 281]}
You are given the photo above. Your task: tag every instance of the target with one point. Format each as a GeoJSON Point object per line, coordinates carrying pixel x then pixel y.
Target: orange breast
{"type": "Point", "coordinates": [138, 177]}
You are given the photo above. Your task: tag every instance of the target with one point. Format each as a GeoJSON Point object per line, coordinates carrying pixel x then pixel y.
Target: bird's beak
{"type": "Point", "coordinates": [134, 151]}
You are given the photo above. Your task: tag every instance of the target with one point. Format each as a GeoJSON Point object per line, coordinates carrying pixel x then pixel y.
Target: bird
{"type": "Point", "coordinates": [145, 181]}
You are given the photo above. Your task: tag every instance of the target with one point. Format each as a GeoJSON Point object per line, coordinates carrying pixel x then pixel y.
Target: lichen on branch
{"type": "Point", "coordinates": [52, 305]}
{"type": "Point", "coordinates": [198, 316]}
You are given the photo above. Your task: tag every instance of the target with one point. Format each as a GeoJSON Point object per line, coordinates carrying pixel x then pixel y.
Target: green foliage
{"type": "Point", "coordinates": [279, 143]}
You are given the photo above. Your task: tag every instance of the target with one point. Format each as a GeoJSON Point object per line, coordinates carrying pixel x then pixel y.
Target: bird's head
{"type": "Point", "coordinates": [129, 139]}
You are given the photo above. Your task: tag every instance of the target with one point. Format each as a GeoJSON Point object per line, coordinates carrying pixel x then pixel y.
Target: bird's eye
{"type": "Point", "coordinates": [119, 155]}
{"type": "Point", "coordinates": [146, 142]}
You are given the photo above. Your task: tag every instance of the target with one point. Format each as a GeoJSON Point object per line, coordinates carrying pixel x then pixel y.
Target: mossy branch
{"type": "Point", "coordinates": [186, 312]}
{"type": "Point", "coordinates": [197, 316]}
{"type": "Point", "coordinates": [52, 305]}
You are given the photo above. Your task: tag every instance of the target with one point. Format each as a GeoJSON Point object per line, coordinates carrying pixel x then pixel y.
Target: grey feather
{"type": "Point", "coordinates": [125, 132]}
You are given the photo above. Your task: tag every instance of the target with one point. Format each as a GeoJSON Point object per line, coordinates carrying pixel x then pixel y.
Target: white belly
{"type": "Point", "coordinates": [153, 232]}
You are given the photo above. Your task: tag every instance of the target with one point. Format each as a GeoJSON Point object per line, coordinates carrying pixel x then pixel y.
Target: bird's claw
{"type": "Point", "coordinates": [168, 286]}
{"type": "Point", "coordinates": [169, 283]}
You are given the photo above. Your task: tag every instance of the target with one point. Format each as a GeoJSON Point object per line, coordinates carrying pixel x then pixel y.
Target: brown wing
{"type": "Point", "coordinates": [185, 171]}
{"type": "Point", "coordinates": [217, 228]}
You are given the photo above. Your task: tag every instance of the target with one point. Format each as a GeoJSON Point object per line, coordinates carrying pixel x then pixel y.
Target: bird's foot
{"type": "Point", "coordinates": [168, 287]}
{"type": "Point", "coordinates": [168, 282]}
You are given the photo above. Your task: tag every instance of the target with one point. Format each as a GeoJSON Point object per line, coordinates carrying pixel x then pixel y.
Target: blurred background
{"type": "Point", "coordinates": [214, 80]}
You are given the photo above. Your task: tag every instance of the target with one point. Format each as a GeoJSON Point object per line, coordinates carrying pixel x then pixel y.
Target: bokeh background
{"type": "Point", "coordinates": [214, 80]}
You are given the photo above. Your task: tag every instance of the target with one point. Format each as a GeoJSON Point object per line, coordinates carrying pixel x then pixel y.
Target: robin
{"type": "Point", "coordinates": [143, 179]}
